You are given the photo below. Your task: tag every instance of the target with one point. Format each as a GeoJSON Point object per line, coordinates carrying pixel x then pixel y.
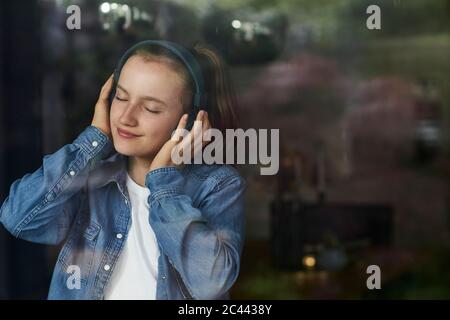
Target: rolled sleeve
{"type": "Point", "coordinates": [94, 142]}
{"type": "Point", "coordinates": [163, 182]}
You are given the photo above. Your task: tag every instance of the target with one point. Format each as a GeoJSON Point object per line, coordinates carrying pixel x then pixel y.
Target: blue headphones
{"type": "Point", "coordinates": [189, 61]}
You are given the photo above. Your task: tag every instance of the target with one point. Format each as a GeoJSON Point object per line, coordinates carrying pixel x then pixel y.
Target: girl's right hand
{"type": "Point", "coordinates": [101, 113]}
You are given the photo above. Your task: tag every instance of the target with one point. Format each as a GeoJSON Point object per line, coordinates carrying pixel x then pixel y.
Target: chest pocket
{"type": "Point", "coordinates": [79, 249]}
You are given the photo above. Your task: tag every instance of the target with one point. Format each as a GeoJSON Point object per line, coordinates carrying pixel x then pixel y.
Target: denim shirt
{"type": "Point", "coordinates": [79, 197]}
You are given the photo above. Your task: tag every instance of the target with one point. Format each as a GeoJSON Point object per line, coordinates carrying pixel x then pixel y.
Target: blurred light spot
{"type": "Point", "coordinates": [105, 7]}
{"type": "Point", "coordinates": [309, 261]}
{"type": "Point", "coordinates": [236, 24]}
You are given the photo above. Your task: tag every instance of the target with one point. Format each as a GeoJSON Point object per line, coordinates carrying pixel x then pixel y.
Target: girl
{"type": "Point", "coordinates": [134, 224]}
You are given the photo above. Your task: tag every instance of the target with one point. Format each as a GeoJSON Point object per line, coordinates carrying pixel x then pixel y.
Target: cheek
{"type": "Point", "coordinates": [114, 113]}
{"type": "Point", "coordinates": [158, 129]}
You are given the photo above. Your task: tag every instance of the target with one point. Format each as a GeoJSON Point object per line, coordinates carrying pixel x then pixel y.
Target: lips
{"type": "Point", "coordinates": [126, 134]}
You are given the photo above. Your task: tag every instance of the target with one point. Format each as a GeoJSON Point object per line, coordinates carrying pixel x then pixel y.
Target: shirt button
{"type": "Point", "coordinates": [94, 143]}
{"type": "Point", "coordinates": [126, 201]}
{"type": "Point", "coordinates": [106, 267]}
{"type": "Point", "coordinates": [164, 277]}
{"type": "Point", "coordinates": [119, 236]}
{"type": "Point", "coordinates": [72, 173]}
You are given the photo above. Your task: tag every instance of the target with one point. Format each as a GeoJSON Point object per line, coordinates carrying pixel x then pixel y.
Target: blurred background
{"type": "Point", "coordinates": [364, 119]}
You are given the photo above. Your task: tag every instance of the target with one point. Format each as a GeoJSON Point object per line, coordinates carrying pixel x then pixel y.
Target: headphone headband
{"type": "Point", "coordinates": [184, 55]}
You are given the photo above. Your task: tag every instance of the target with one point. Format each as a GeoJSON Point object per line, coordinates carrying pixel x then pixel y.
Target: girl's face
{"type": "Point", "coordinates": [147, 105]}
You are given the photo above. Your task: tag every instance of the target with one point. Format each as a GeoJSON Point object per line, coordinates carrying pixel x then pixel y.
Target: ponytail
{"type": "Point", "coordinates": [221, 98]}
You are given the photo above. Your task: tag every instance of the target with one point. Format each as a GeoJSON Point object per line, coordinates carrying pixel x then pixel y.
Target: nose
{"type": "Point", "coordinates": [128, 117]}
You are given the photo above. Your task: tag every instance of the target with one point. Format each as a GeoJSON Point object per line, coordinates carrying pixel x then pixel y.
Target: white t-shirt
{"type": "Point", "coordinates": [136, 273]}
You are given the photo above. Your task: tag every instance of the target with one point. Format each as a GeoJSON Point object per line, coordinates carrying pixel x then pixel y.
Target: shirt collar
{"type": "Point", "coordinates": [111, 169]}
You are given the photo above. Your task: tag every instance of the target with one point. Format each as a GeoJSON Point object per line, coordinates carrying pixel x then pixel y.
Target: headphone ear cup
{"type": "Point", "coordinates": [191, 118]}
{"type": "Point", "coordinates": [112, 94]}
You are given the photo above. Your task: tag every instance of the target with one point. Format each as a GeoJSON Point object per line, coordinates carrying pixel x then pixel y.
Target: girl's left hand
{"type": "Point", "coordinates": [164, 156]}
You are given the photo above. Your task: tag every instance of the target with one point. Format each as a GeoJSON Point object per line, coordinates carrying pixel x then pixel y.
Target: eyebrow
{"type": "Point", "coordinates": [149, 98]}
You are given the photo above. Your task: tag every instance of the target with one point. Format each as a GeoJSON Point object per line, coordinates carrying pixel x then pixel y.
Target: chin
{"type": "Point", "coordinates": [125, 152]}
{"type": "Point", "coordinates": [125, 149]}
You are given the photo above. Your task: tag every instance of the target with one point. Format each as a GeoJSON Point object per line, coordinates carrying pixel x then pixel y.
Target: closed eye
{"type": "Point", "coordinates": [152, 111]}
{"type": "Point", "coordinates": [120, 99]}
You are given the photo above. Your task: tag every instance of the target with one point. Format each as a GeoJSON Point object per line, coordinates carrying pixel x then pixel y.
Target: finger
{"type": "Point", "coordinates": [198, 126]}
{"type": "Point", "coordinates": [188, 141]}
{"type": "Point", "coordinates": [106, 89]}
{"type": "Point", "coordinates": [206, 122]}
{"type": "Point", "coordinates": [183, 121]}
{"type": "Point", "coordinates": [179, 130]}
{"type": "Point", "coordinates": [200, 115]}
{"type": "Point", "coordinates": [206, 133]}
{"type": "Point", "coordinates": [197, 142]}
{"type": "Point", "coordinates": [108, 82]}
